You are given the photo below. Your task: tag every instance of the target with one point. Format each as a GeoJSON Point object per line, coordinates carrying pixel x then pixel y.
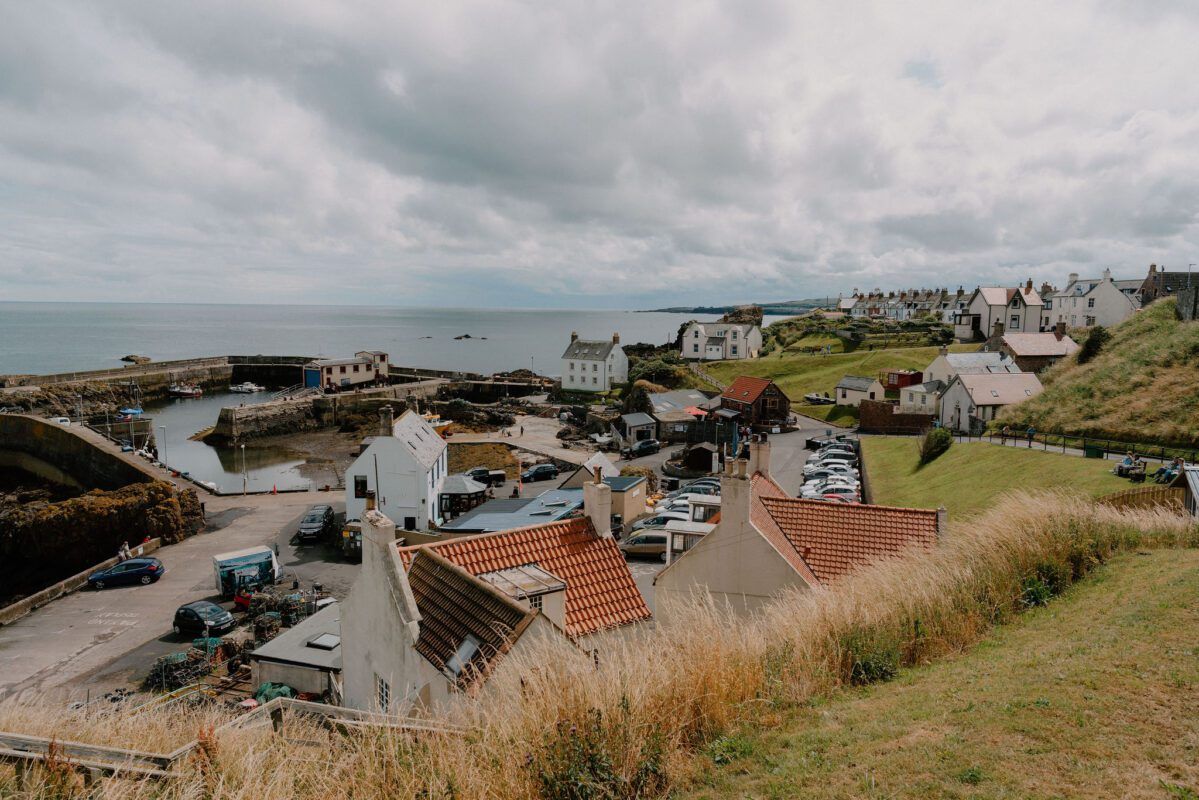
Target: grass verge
{"type": "Point", "coordinates": [797, 374]}
{"type": "Point", "coordinates": [466, 455]}
{"type": "Point", "coordinates": [970, 477]}
{"type": "Point", "coordinates": [1093, 695]}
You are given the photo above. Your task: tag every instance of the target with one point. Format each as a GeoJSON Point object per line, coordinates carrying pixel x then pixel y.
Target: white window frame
{"type": "Point", "coordinates": [382, 693]}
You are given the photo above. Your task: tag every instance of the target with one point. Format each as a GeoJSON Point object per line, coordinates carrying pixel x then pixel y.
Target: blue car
{"type": "Point", "coordinates": [134, 570]}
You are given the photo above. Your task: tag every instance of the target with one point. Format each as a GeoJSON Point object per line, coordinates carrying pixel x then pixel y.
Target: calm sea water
{"type": "Point", "coordinates": [50, 337]}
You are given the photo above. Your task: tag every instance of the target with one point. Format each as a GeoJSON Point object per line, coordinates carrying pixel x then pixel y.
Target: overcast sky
{"type": "Point", "coordinates": [605, 154]}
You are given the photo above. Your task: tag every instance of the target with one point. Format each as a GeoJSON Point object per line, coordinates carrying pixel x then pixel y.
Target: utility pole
{"type": "Point", "coordinates": [163, 449]}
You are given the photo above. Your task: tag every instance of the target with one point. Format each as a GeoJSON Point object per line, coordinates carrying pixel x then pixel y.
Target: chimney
{"type": "Point", "coordinates": [1046, 288]}
{"type": "Point", "coordinates": [1153, 269]}
{"type": "Point", "coordinates": [943, 350]}
{"type": "Point", "coordinates": [997, 331]}
{"type": "Point", "coordinates": [1107, 274]}
{"type": "Point", "coordinates": [383, 571]}
{"type": "Point", "coordinates": [616, 338]}
{"type": "Point", "coordinates": [759, 455]}
{"type": "Point", "coordinates": [735, 493]}
{"type": "Point", "coordinates": [1028, 286]}
{"type": "Point", "coordinates": [597, 503]}
{"type": "Point", "coordinates": [1072, 278]}
{"type": "Point", "coordinates": [1059, 330]}
{"type": "Point", "coordinates": [942, 523]}
{"type": "Point", "coordinates": [386, 421]}
{"type": "Point", "coordinates": [574, 336]}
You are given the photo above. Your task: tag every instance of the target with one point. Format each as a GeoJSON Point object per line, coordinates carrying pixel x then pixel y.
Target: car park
{"type": "Point", "coordinates": [645, 447]}
{"type": "Point", "coordinates": [202, 617]}
{"type": "Point", "coordinates": [645, 545]}
{"type": "Point", "coordinates": [130, 571]}
{"type": "Point", "coordinates": [539, 472]}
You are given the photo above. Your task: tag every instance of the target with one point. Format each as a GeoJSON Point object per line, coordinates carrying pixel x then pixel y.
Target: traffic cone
{"type": "Point", "coordinates": [274, 488]}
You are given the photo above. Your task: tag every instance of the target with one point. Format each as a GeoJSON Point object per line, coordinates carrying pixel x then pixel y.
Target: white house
{"type": "Point", "coordinates": [1019, 310]}
{"type": "Point", "coordinates": [591, 366]}
{"type": "Point", "coordinates": [852, 390]}
{"type": "Point", "coordinates": [921, 398]}
{"type": "Point", "coordinates": [403, 469]}
{"type": "Point", "coordinates": [1087, 302]}
{"type": "Point", "coordinates": [367, 366]}
{"type": "Point", "coordinates": [947, 365]}
{"type": "Point", "coordinates": [720, 341]}
{"type": "Point", "coordinates": [972, 400]}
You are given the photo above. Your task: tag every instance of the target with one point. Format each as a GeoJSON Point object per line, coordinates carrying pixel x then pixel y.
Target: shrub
{"type": "Point", "coordinates": [871, 659]}
{"type": "Point", "coordinates": [933, 443]}
{"type": "Point", "coordinates": [1096, 339]}
{"type": "Point", "coordinates": [651, 477]}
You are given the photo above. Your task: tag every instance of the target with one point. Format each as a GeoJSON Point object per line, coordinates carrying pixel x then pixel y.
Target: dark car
{"type": "Point", "coordinates": [487, 477]}
{"type": "Point", "coordinates": [644, 447]}
{"type": "Point", "coordinates": [539, 472]}
{"type": "Point", "coordinates": [134, 570]}
{"type": "Point", "coordinates": [203, 617]}
{"type": "Point", "coordinates": [316, 522]}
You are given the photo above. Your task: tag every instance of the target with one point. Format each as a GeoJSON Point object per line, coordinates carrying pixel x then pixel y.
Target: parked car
{"type": "Point", "coordinates": [539, 472]}
{"type": "Point", "coordinates": [712, 481]}
{"type": "Point", "coordinates": [831, 468]}
{"type": "Point", "coordinates": [659, 520]}
{"type": "Point", "coordinates": [828, 480]}
{"type": "Point", "coordinates": [706, 489]}
{"type": "Point", "coordinates": [202, 617]}
{"type": "Point", "coordinates": [832, 489]}
{"type": "Point", "coordinates": [61, 420]}
{"type": "Point", "coordinates": [487, 477]}
{"type": "Point", "coordinates": [834, 455]}
{"type": "Point", "coordinates": [649, 544]}
{"type": "Point", "coordinates": [315, 523]}
{"type": "Point", "coordinates": [133, 570]}
{"type": "Point", "coordinates": [645, 447]}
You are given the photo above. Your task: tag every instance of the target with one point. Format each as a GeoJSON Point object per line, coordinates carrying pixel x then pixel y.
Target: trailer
{"type": "Point", "coordinates": [250, 568]}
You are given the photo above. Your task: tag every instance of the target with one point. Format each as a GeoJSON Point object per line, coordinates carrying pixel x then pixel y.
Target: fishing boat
{"type": "Point", "coordinates": [185, 390]}
{"type": "Point", "coordinates": [247, 388]}
{"type": "Point", "coordinates": [132, 411]}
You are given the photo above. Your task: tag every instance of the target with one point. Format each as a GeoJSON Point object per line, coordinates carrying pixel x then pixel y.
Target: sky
{"type": "Point", "coordinates": [588, 154]}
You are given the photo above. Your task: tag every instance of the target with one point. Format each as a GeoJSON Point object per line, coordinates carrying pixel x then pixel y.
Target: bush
{"type": "Point", "coordinates": [1096, 339]}
{"type": "Point", "coordinates": [651, 477]}
{"type": "Point", "coordinates": [933, 443]}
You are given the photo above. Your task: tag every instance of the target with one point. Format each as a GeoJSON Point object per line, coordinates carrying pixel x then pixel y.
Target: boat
{"type": "Point", "coordinates": [185, 390]}
{"type": "Point", "coordinates": [132, 411]}
{"type": "Point", "coordinates": [247, 388]}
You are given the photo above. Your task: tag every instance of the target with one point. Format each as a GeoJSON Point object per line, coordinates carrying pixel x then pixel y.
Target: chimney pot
{"type": "Point", "coordinates": [616, 338]}
{"type": "Point", "coordinates": [386, 421]}
{"type": "Point", "coordinates": [574, 336]}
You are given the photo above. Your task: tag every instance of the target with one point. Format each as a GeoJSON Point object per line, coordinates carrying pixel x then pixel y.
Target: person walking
{"type": "Point", "coordinates": [124, 554]}
{"type": "Point", "coordinates": [522, 430]}
{"type": "Point", "coordinates": [1032, 433]}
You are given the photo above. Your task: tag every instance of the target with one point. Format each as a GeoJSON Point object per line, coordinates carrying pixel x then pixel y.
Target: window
{"type": "Point", "coordinates": [843, 394]}
{"type": "Point", "coordinates": [572, 366]}
{"type": "Point", "coordinates": [342, 370]}
{"type": "Point", "coordinates": [356, 367]}
{"type": "Point", "coordinates": [1090, 321]}
{"type": "Point", "coordinates": [695, 348]}
{"type": "Point", "coordinates": [911, 397]}
{"type": "Point", "coordinates": [535, 602]}
{"type": "Point", "coordinates": [382, 694]}
{"type": "Point", "coordinates": [1015, 321]}
{"type": "Point", "coordinates": [734, 334]}
{"type": "Point", "coordinates": [594, 381]}
{"type": "Point", "coordinates": [696, 334]}
{"type": "Point", "coordinates": [462, 656]}
{"type": "Point", "coordinates": [734, 349]}
{"type": "Point", "coordinates": [595, 367]}
{"type": "Point", "coordinates": [360, 488]}
{"type": "Point", "coordinates": [1090, 302]}
{"type": "Point", "coordinates": [994, 393]}
{"type": "Point", "coordinates": [872, 395]}
{"type": "Point", "coordinates": [923, 398]}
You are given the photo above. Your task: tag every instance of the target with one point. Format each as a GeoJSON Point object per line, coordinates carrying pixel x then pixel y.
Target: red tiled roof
{"type": "Point", "coordinates": [832, 538]}
{"type": "Point", "coordinates": [763, 488]}
{"type": "Point", "coordinates": [600, 592]}
{"type": "Point", "coordinates": [746, 389]}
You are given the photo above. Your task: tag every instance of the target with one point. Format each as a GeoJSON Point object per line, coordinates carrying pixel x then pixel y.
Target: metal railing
{"type": "Point", "coordinates": [1094, 446]}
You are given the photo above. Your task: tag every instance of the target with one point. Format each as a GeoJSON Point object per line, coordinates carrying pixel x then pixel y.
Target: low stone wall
{"type": "Point", "coordinates": [310, 413]}
{"type": "Point", "coordinates": [878, 417]}
{"type": "Point", "coordinates": [14, 611]}
{"type": "Point", "coordinates": [27, 440]}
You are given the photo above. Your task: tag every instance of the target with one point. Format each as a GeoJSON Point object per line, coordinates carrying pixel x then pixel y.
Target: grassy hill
{"type": "Point", "coordinates": [798, 374]}
{"type": "Point", "coordinates": [970, 477]}
{"type": "Point", "coordinates": [1142, 387]}
{"type": "Point", "coordinates": [1093, 695]}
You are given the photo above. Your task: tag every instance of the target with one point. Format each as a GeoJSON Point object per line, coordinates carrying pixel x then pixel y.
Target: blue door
{"type": "Point", "coordinates": [312, 377]}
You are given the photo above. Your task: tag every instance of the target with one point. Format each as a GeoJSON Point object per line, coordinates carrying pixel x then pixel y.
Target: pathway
{"type": "Point", "coordinates": [535, 434]}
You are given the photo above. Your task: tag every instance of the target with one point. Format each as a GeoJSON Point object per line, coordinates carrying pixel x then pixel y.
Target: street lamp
{"type": "Point", "coordinates": [163, 428]}
{"type": "Point", "coordinates": [245, 476]}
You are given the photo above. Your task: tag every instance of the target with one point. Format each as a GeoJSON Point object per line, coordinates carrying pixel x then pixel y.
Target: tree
{"type": "Point", "coordinates": [637, 400]}
{"type": "Point", "coordinates": [1096, 339]}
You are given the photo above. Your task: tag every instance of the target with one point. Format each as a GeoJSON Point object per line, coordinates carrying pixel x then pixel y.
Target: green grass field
{"type": "Point", "coordinates": [970, 477]}
{"type": "Point", "coordinates": [1093, 695]}
{"type": "Point", "coordinates": [798, 374]}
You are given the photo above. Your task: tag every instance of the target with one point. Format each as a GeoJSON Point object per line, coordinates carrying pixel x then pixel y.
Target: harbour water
{"type": "Point", "coordinates": [43, 338]}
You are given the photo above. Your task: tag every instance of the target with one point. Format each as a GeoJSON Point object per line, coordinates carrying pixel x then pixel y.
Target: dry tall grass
{"type": "Point", "coordinates": [628, 727]}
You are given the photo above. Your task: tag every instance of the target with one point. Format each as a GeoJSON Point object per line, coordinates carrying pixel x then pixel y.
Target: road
{"type": "Point", "coordinates": [98, 640]}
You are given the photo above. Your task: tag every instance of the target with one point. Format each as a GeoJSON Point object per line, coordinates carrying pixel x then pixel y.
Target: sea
{"type": "Point", "coordinates": [45, 338]}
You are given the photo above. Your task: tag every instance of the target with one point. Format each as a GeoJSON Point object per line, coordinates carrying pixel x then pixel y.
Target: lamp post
{"type": "Point", "coordinates": [245, 476]}
{"type": "Point", "coordinates": [163, 428]}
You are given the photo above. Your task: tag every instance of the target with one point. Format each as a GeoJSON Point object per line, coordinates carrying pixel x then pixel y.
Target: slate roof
{"type": "Point", "coordinates": [679, 400]}
{"type": "Point", "coordinates": [714, 341]}
{"type": "Point", "coordinates": [622, 483]}
{"type": "Point", "coordinates": [453, 605]}
{"type": "Point", "coordinates": [600, 592]}
{"type": "Point", "coordinates": [419, 437]}
{"type": "Point", "coordinates": [461, 484]}
{"type": "Point", "coordinates": [506, 513]}
{"type": "Point", "coordinates": [974, 363]}
{"type": "Point", "coordinates": [932, 387]}
{"type": "Point", "coordinates": [291, 646]}
{"type": "Point", "coordinates": [637, 419]}
{"type": "Point", "coordinates": [1039, 344]}
{"type": "Point", "coordinates": [1000, 389]}
{"type": "Point", "coordinates": [856, 383]}
{"type": "Point", "coordinates": [746, 389]}
{"type": "Point", "coordinates": [587, 350]}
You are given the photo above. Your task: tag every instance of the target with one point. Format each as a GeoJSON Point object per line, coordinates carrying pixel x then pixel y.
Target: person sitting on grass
{"type": "Point", "coordinates": [1137, 473]}
{"type": "Point", "coordinates": [1124, 466]}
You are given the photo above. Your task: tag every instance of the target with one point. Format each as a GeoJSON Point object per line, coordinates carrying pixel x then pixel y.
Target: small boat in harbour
{"type": "Point", "coordinates": [132, 411]}
{"type": "Point", "coordinates": [185, 390]}
{"type": "Point", "coordinates": [247, 388]}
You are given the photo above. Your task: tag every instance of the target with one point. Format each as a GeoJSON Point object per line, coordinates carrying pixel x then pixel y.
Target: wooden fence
{"type": "Point", "coordinates": [1146, 497]}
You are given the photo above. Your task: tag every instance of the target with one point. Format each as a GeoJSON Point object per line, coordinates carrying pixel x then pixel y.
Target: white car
{"type": "Point", "coordinates": [61, 420]}
{"type": "Point", "coordinates": [659, 520]}
{"type": "Point", "coordinates": [682, 500]}
{"type": "Point", "coordinates": [842, 491]}
{"type": "Point", "coordinates": [823, 458]}
{"type": "Point", "coordinates": [830, 466]}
